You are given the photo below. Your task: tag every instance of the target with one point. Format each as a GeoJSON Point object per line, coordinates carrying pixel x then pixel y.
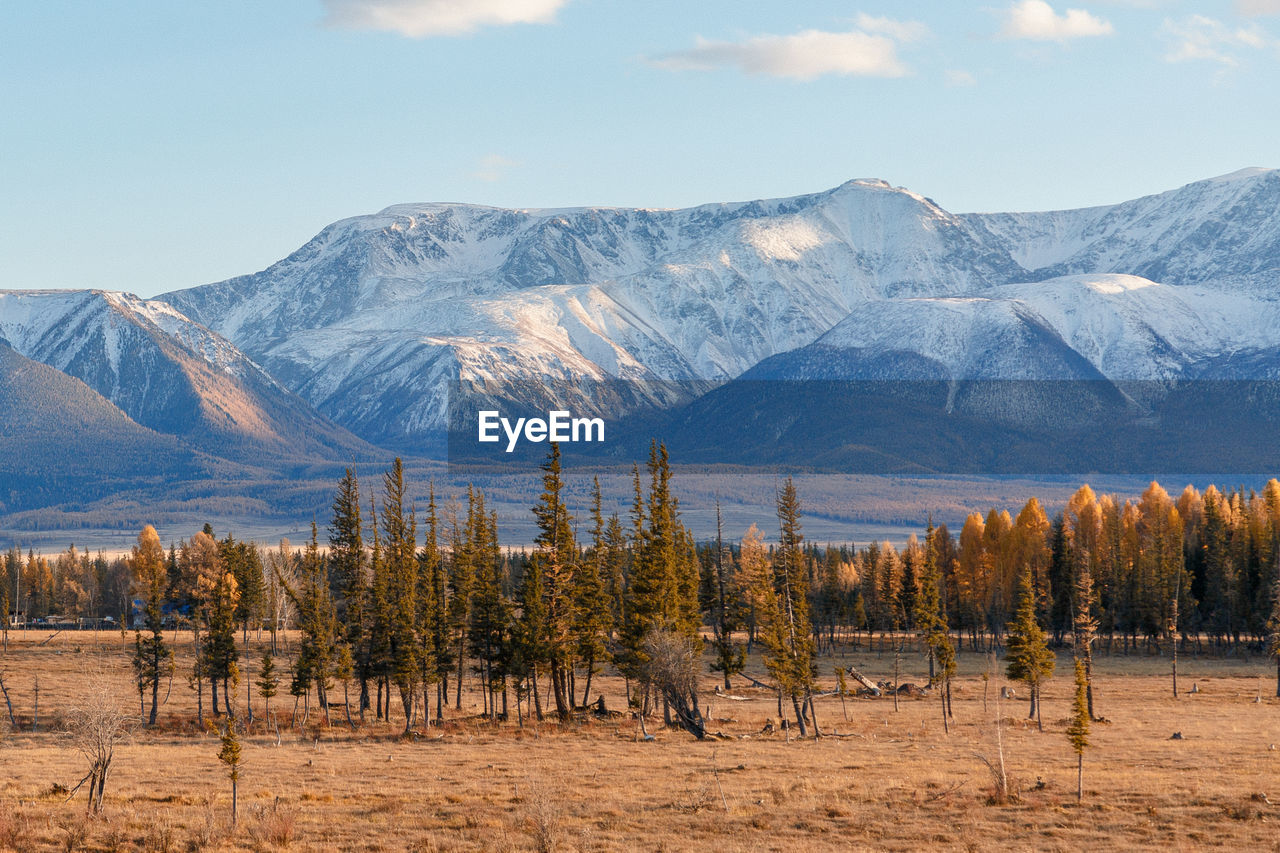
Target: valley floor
{"type": "Point", "coordinates": [880, 779]}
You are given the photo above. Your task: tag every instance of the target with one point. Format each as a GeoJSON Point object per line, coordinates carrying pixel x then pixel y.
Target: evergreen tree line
{"type": "Point", "coordinates": [406, 602]}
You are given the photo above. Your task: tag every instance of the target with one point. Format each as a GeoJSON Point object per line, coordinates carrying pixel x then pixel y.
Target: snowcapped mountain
{"type": "Point", "coordinates": [369, 319]}
{"type": "Point", "coordinates": [363, 330]}
{"type": "Point", "coordinates": [166, 373]}
{"type": "Point", "coordinates": [1223, 232]}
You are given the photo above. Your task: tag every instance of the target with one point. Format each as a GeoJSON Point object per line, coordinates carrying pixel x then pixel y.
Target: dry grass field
{"type": "Point", "coordinates": [889, 780]}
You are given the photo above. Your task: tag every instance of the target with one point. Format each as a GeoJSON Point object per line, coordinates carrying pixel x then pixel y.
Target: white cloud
{"type": "Point", "coordinates": [956, 78]}
{"type": "Point", "coordinates": [1036, 20]}
{"type": "Point", "coordinates": [1201, 38]}
{"type": "Point", "coordinates": [803, 56]}
{"type": "Point", "coordinates": [1138, 4]}
{"type": "Point", "coordinates": [903, 31]}
{"type": "Point", "coordinates": [422, 18]}
{"type": "Point", "coordinates": [492, 168]}
{"type": "Point", "coordinates": [1257, 8]}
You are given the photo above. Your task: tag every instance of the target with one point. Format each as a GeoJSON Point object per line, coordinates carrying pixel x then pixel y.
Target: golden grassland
{"type": "Point", "coordinates": [889, 780]}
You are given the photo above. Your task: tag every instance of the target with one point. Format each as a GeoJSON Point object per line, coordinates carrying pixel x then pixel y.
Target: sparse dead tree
{"type": "Point", "coordinates": [1085, 627]}
{"type": "Point", "coordinates": [96, 725]}
{"type": "Point", "coordinates": [1172, 628]}
{"type": "Point", "coordinates": [5, 608]}
{"type": "Point", "coordinates": [9, 704]}
{"type": "Point", "coordinates": [672, 668]}
{"type": "Point", "coordinates": [280, 571]}
{"type": "Point", "coordinates": [897, 674]}
{"type": "Point", "coordinates": [1000, 793]}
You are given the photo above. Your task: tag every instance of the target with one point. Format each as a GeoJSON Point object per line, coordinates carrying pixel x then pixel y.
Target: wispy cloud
{"type": "Point", "coordinates": [1257, 8]}
{"type": "Point", "coordinates": [957, 78]}
{"type": "Point", "coordinates": [870, 50]}
{"type": "Point", "coordinates": [1201, 38]}
{"type": "Point", "coordinates": [903, 31]}
{"type": "Point", "coordinates": [493, 167]}
{"type": "Point", "coordinates": [423, 18]}
{"type": "Point", "coordinates": [1037, 21]}
{"type": "Point", "coordinates": [1139, 4]}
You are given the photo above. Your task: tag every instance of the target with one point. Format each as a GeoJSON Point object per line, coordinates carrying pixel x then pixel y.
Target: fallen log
{"type": "Point", "coordinates": [870, 685]}
{"type": "Point", "coordinates": [757, 683]}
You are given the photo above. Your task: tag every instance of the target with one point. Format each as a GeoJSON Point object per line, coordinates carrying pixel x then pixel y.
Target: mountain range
{"type": "Point", "coordinates": [347, 349]}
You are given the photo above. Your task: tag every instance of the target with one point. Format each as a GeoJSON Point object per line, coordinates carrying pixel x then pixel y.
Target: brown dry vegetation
{"type": "Point", "coordinates": [890, 781]}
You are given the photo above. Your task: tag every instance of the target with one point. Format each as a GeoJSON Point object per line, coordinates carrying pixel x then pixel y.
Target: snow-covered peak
{"type": "Point", "coordinates": [1241, 174]}
{"type": "Point", "coordinates": [1223, 232]}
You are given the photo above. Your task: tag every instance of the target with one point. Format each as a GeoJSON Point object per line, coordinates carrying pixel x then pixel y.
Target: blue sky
{"type": "Point", "coordinates": [152, 145]}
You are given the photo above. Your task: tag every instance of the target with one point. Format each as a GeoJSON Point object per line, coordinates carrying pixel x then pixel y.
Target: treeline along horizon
{"type": "Point", "coordinates": [406, 601]}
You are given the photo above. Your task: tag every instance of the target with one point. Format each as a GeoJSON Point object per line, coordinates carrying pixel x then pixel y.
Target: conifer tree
{"type": "Point", "coordinates": [1078, 730]}
{"type": "Point", "coordinates": [833, 604]}
{"type": "Point", "coordinates": [1218, 569]}
{"type": "Point", "coordinates": [461, 575]}
{"type": "Point", "coordinates": [400, 553]}
{"type": "Point", "coordinates": [380, 618]}
{"type": "Point", "coordinates": [788, 633]}
{"type": "Point", "coordinates": [318, 623]}
{"type": "Point", "coordinates": [241, 559]}
{"type": "Point", "coordinates": [268, 682]}
{"type": "Point", "coordinates": [592, 611]}
{"type": "Point", "coordinates": [615, 549]}
{"type": "Point", "coordinates": [431, 601]}
{"type": "Point", "coordinates": [931, 621]}
{"type": "Point", "coordinates": [488, 630]}
{"type": "Point", "coordinates": [730, 656]}
{"type": "Point", "coordinates": [555, 558]}
{"type": "Point", "coordinates": [349, 569]}
{"type": "Point", "coordinates": [662, 590]}
{"type": "Point", "coordinates": [909, 589]}
{"type": "Point", "coordinates": [642, 609]}
{"type": "Point", "coordinates": [344, 667]}
{"type": "Point", "coordinates": [200, 572]}
{"type": "Point", "coordinates": [230, 755]}
{"type": "Point", "coordinates": [755, 578]}
{"type": "Point", "coordinates": [152, 657]}
{"type": "Point", "coordinates": [531, 651]}
{"type": "Point", "coordinates": [217, 594]}
{"type": "Point", "coordinates": [1028, 658]}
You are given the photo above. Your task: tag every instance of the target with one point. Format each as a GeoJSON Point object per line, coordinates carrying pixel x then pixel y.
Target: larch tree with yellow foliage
{"type": "Point", "coordinates": [152, 657]}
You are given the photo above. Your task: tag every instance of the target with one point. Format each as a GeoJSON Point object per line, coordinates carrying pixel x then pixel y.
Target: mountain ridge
{"type": "Point", "coordinates": [348, 347]}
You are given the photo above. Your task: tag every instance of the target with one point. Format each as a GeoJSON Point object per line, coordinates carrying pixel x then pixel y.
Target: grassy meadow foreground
{"type": "Point", "coordinates": [880, 779]}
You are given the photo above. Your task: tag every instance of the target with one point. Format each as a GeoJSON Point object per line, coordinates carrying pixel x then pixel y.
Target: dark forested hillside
{"type": "Point", "coordinates": [59, 439]}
